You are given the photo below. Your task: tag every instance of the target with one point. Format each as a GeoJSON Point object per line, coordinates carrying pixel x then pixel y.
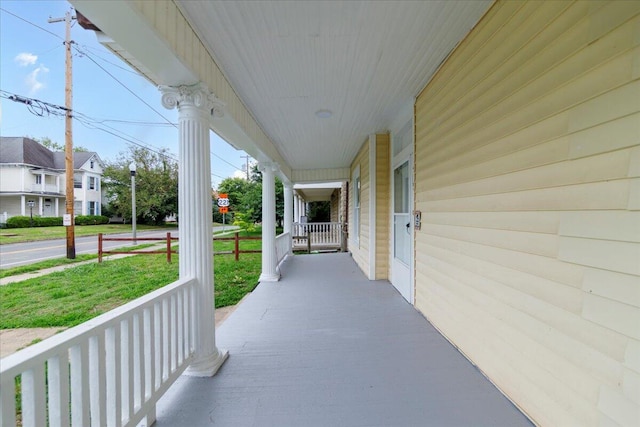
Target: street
{"type": "Point", "coordinates": [17, 254]}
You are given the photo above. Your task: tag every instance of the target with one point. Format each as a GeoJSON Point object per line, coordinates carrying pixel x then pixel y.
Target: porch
{"type": "Point", "coordinates": [325, 346]}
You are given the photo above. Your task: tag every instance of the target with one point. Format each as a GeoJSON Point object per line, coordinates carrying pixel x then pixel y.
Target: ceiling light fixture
{"type": "Point", "coordinates": [323, 114]}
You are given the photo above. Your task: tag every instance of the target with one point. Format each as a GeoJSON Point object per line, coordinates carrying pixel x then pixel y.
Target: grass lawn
{"type": "Point", "coordinates": [33, 234]}
{"type": "Point", "coordinates": [79, 293]}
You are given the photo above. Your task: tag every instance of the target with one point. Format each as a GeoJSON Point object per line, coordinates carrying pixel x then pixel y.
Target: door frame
{"type": "Point", "coordinates": [405, 117]}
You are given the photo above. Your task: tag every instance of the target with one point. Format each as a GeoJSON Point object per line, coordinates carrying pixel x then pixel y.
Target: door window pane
{"type": "Point", "coordinates": [401, 189]}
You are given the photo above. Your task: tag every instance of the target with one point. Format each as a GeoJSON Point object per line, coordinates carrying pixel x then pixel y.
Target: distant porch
{"type": "Point", "coordinates": [324, 346]}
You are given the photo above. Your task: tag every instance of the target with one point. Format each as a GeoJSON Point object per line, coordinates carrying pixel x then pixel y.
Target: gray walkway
{"type": "Point", "coordinates": [326, 347]}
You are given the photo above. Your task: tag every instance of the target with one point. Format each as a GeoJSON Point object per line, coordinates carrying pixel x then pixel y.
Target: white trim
{"type": "Point", "coordinates": [357, 197]}
{"type": "Point", "coordinates": [406, 154]}
{"type": "Point", "coordinates": [372, 206]}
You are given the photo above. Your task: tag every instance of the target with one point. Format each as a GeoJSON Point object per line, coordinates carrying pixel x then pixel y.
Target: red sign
{"type": "Point", "coordinates": [224, 209]}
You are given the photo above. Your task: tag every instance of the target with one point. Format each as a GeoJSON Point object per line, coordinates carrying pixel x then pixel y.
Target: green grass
{"type": "Point", "coordinates": [49, 263]}
{"type": "Point", "coordinates": [19, 235]}
{"type": "Point", "coordinates": [79, 293]}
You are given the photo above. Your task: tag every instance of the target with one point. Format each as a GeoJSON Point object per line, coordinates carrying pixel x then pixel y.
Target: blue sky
{"type": "Point", "coordinates": [32, 64]}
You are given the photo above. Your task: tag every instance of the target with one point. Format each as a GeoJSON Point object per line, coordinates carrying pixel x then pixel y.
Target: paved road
{"type": "Point", "coordinates": [16, 254]}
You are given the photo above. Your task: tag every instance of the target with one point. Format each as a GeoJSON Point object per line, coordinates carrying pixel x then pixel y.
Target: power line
{"type": "Point", "coordinates": [39, 108]}
{"type": "Point", "coordinates": [124, 86]}
{"type": "Point", "coordinates": [97, 53]}
{"type": "Point", "coordinates": [31, 23]}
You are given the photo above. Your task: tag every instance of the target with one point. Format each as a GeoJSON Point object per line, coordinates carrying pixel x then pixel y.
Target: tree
{"type": "Point", "coordinates": [156, 185]}
{"type": "Point", "coordinates": [252, 199]}
{"type": "Point", "coordinates": [54, 146]}
{"type": "Point", "coordinates": [235, 188]}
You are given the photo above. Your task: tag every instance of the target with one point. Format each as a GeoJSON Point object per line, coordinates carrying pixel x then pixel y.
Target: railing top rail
{"type": "Point", "coordinates": [16, 363]}
{"type": "Point", "coordinates": [317, 223]}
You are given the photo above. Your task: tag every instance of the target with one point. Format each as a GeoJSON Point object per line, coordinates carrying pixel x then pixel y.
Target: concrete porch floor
{"type": "Point", "coordinates": [327, 347]}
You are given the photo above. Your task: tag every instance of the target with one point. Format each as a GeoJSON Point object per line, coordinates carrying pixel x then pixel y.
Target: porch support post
{"type": "Point", "coordinates": [288, 212]}
{"type": "Point", "coordinates": [269, 258]}
{"type": "Point", "coordinates": [195, 106]}
{"type": "Point", "coordinates": [296, 208]}
{"type": "Point", "coordinates": [288, 206]}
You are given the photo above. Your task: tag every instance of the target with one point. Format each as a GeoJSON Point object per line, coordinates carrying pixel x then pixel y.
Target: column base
{"type": "Point", "coordinates": [208, 366]}
{"type": "Point", "coordinates": [269, 277]}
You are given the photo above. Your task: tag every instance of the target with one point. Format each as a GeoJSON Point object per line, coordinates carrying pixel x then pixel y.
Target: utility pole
{"type": "Point", "coordinates": [68, 144]}
{"type": "Point", "coordinates": [247, 157]}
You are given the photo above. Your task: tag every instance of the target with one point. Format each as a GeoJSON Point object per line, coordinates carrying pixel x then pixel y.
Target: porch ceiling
{"type": "Point", "coordinates": [317, 192]}
{"type": "Point", "coordinates": [360, 60]}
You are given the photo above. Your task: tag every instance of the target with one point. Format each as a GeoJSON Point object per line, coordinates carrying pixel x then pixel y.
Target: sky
{"type": "Point", "coordinates": [32, 65]}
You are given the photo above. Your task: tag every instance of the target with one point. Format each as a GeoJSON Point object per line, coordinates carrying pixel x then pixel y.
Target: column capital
{"type": "Point", "coordinates": [262, 166]}
{"type": "Point", "coordinates": [197, 95]}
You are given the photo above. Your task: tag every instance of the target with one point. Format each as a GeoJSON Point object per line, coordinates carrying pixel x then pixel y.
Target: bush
{"type": "Point", "coordinates": [48, 221]}
{"type": "Point", "coordinates": [38, 221]}
{"type": "Point", "coordinates": [18, 222]}
{"type": "Point", "coordinates": [91, 220]}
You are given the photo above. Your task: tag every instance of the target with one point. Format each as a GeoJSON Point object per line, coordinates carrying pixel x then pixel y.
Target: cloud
{"type": "Point", "coordinates": [239, 174]}
{"type": "Point", "coordinates": [32, 81]}
{"type": "Point", "coordinates": [25, 58]}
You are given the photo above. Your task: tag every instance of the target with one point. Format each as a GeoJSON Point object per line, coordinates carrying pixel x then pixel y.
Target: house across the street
{"type": "Point", "coordinates": [30, 172]}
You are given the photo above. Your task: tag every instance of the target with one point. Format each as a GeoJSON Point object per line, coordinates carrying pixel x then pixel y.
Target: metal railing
{"type": "Point", "coordinates": [110, 370]}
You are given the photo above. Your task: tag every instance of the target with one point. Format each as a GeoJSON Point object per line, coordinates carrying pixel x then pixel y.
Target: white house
{"type": "Point", "coordinates": [30, 172]}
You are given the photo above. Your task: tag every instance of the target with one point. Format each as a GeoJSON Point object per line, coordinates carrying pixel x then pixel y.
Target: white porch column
{"type": "Point", "coordinates": [288, 206]}
{"type": "Point", "coordinates": [296, 208]}
{"type": "Point", "coordinates": [288, 212]}
{"type": "Point", "coordinates": [269, 258]}
{"type": "Point", "coordinates": [40, 206]}
{"type": "Point", "coordinates": [43, 182]}
{"type": "Point", "coordinates": [23, 206]}
{"type": "Point", "coordinates": [195, 106]}
{"type": "Point", "coordinates": [57, 206]}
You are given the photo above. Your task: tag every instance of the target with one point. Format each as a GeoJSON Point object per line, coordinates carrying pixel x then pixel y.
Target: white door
{"type": "Point", "coordinates": [402, 254]}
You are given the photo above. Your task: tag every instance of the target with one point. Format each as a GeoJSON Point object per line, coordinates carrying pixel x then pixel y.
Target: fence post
{"type": "Point", "coordinates": [169, 247]}
{"type": "Point", "coordinates": [237, 246]}
{"type": "Point", "coordinates": [99, 247]}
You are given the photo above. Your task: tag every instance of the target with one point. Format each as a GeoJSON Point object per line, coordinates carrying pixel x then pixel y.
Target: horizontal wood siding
{"type": "Point", "coordinates": [528, 178]}
{"type": "Point", "coordinates": [360, 251]}
{"type": "Point", "coordinates": [383, 206]}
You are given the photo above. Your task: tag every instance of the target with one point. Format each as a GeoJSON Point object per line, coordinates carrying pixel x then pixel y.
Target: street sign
{"type": "Point", "coordinates": [223, 200]}
{"type": "Point", "coordinates": [223, 209]}
{"type": "Point", "coordinates": [66, 220]}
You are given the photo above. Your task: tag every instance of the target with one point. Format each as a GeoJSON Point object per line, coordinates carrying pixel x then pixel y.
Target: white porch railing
{"type": "Point", "coordinates": [283, 246]}
{"type": "Point", "coordinates": [110, 370]}
{"type": "Point", "coordinates": [323, 234]}
{"type": "Point", "coordinates": [49, 188]}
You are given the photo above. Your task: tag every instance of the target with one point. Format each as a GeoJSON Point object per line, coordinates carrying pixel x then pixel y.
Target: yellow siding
{"type": "Point", "coordinates": [383, 203]}
{"type": "Point", "coordinates": [360, 251]}
{"type": "Point", "coordinates": [528, 177]}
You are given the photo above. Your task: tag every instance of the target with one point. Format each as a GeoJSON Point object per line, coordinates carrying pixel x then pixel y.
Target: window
{"type": "Point", "coordinates": [94, 183]}
{"type": "Point", "coordinates": [356, 204]}
{"type": "Point", "coordinates": [77, 180]}
{"type": "Point", "coordinates": [38, 179]}
{"type": "Point", "coordinates": [92, 208]}
{"type": "Point", "coordinates": [91, 164]}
